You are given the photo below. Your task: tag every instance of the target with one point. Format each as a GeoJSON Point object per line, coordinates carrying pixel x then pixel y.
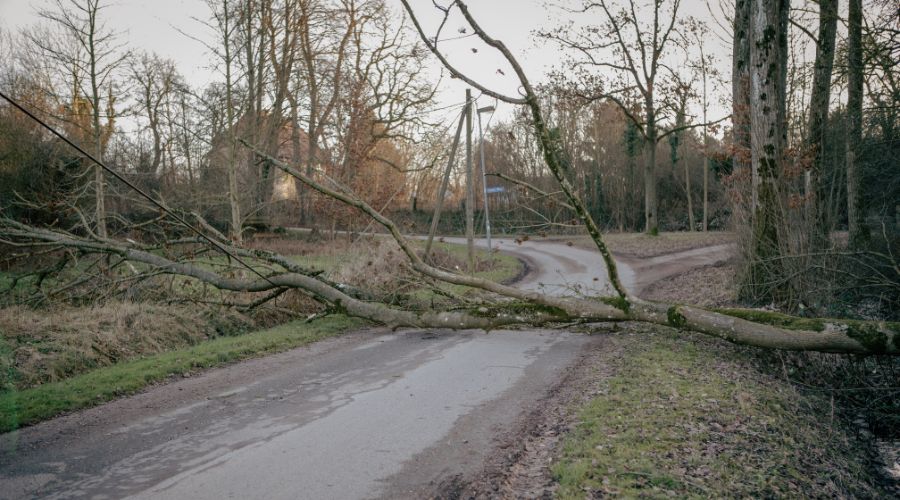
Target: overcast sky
{"type": "Point", "coordinates": [153, 25]}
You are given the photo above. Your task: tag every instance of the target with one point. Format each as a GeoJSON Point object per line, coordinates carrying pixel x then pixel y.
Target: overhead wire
{"type": "Point", "coordinates": [160, 205]}
{"type": "Point", "coordinates": [131, 185]}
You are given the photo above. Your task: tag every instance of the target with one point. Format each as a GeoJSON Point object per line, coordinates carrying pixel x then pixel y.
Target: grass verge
{"type": "Point", "coordinates": [20, 408]}
{"type": "Point", "coordinates": [62, 360]}
{"type": "Point", "coordinates": [684, 417]}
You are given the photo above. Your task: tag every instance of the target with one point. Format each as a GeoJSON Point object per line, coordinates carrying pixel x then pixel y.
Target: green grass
{"type": "Point", "coordinates": [5, 280]}
{"type": "Point", "coordinates": [687, 418]}
{"type": "Point", "coordinates": [328, 262]}
{"type": "Point", "coordinates": [19, 408]}
{"type": "Point", "coordinates": [504, 267]}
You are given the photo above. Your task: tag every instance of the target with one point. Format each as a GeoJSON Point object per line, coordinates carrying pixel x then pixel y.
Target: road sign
{"type": "Point", "coordinates": [495, 189]}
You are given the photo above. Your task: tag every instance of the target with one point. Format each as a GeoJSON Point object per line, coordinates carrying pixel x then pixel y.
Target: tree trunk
{"type": "Point", "coordinates": [651, 222]}
{"type": "Point", "coordinates": [690, 203]}
{"type": "Point", "coordinates": [740, 87]}
{"type": "Point", "coordinates": [768, 64]}
{"type": "Point", "coordinates": [99, 178]}
{"type": "Point", "coordinates": [818, 116]}
{"type": "Point", "coordinates": [855, 216]}
{"type": "Point", "coordinates": [705, 146]}
{"type": "Point", "coordinates": [675, 142]}
{"type": "Point", "coordinates": [746, 327]}
{"type": "Point", "coordinates": [231, 167]}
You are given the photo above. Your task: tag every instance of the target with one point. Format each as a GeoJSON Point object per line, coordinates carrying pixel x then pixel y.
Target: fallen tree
{"type": "Point", "coordinates": [507, 305]}
{"type": "Point", "coordinates": [502, 305]}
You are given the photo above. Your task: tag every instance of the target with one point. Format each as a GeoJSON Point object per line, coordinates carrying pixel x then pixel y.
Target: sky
{"type": "Point", "coordinates": [157, 26]}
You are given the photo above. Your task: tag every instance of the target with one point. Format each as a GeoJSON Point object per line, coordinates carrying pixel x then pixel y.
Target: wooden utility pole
{"type": "Point", "coordinates": [439, 205]}
{"type": "Point", "coordinates": [470, 188]}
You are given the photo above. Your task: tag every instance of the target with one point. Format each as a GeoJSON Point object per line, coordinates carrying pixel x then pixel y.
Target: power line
{"type": "Point", "coordinates": [128, 183]}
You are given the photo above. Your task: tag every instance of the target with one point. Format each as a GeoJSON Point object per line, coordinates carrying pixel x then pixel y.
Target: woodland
{"type": "Point", "coordinates": [318, 176]}
{"type": "Point", "coordinates": [122, 182]}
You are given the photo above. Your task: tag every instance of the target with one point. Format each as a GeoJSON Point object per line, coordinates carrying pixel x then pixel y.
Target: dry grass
{"type": "Point", "coordinates": [862, 389]}
{"type": "Point", "coordinates": [300, 245]}
{"type": "Point", "coordinates": [379, 268]}
{"type": "Point", "coordinates": [28, 406]}
{"type": "Point", "coordinates": [38, 346]}
{"type": "Point", "coordinates": [47, 345]}
{"type": "Point", "coordinates": [708, 286]}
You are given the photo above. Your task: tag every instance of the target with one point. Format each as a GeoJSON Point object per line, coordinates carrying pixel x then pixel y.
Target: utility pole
{"type": "Point", "coordinates": [487, 217]}
{"type": "Point", "coordinates": [444, 183]}
{"type": "Point", "coordinates": [470, 188]}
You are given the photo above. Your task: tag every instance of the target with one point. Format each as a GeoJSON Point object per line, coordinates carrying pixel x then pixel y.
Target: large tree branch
{"type": "Point", "coordinates": [575, 307]}
{"type": "Point", "coordinates": [453, 71]}
{"type": "Point", "coordinates": [551, 152]}
{"type": "Point", "coordinates": [681, 128]}
{"type": "Point", "coordinates": [486, 318]}
{"type": "Point", "coordinates": [754, 328]}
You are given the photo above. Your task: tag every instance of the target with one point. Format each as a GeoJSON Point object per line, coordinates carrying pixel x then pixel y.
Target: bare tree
{"type": "Point", "coordinates": [638, 51]}
{"type": "Point", "coordinates": [224, 25]}
{"type": "Point", "coordinates": [698, 33]}
{"type": "Point", "coordinates": [502, 304]}
{"type": "Point", "coordinates": [683, 93]}
{"type": "Point", "coordinates": [93, 57]}
{"type": "Point", "coordinates": [325, 34]}
{"type": "Point", "coordinates": [157, 81]}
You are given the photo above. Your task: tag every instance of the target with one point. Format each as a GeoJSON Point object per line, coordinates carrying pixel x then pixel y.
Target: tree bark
{"type": "Point", "coordinates": [91, 9]}
{"type": "Point", "coordinates": [740, 89]}
{"type": "Point", "coordinates": [231, 162]}
{"type": "Point", "coordinates": [690, 203]}
{"type": "Point", "coordinates": [768, 136]}
{"type": "Point", "coordinates": [706, 151]}
{"type": "Point", "coordinates": [651, 201]}
{"type": "Point", "coordinates": [855, 215]}
{"type": "Point", "coordinates": [818, 224]}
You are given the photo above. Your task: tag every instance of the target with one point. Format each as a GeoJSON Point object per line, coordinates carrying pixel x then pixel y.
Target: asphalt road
{"type": "Point", "coordinates": [370, 414]}
{"type": "Point", "coordinates": [559, 269]}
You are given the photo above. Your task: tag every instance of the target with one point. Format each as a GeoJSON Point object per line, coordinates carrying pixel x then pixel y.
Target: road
{"type": "Point", "coordinates": [559, 269]}
{"type": "Point", "coordinates": [370, 414]}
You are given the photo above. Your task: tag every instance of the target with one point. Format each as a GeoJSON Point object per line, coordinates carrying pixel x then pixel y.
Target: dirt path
{"type": "Point", "coordinates": [561, 269]}
{"type": "Point", "coordinates": [638, 273]}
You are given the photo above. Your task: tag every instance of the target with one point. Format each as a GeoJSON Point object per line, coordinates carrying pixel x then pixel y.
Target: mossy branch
{"type": "Point", "coordinates": [753, 328]}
